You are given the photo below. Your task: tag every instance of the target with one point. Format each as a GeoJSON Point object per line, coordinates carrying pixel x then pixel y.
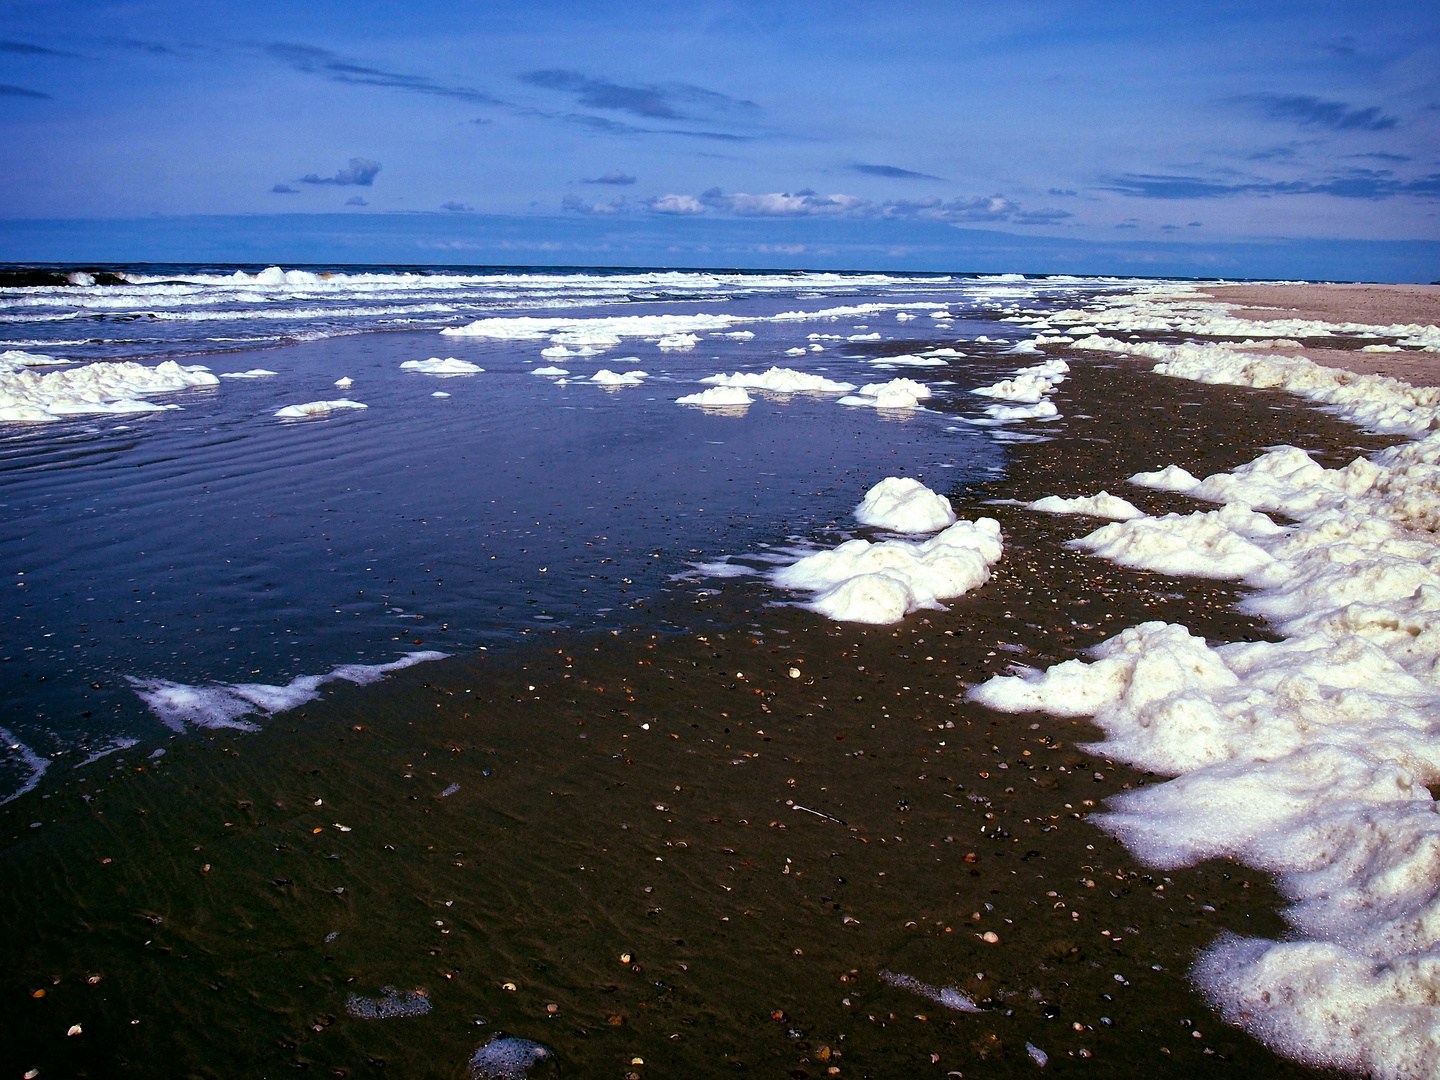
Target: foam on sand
{"type": "Point", "coordinates": [860, 581]}
{"type": "Point", "coordinates": [314, 409]}
{"type": "Point", "coordinates": [1103, 505]}
{"type": "Point", "coordinates": [32, 761]}
{"type": "Point", "coordinates": [390, 1004]}
{"type": "Point", "coordinates": [253, 373]}
{"type": "Point", "coordinates": [446, 367]}
{"type": "Point", "coordinates": [904, 505]}
{"type": "Point", "coordinates": [895, 394]}
{"type": "Point", "coordinates": [105, 387]}
{"type": "Point", "coordinates": [947, 996]}
{"type": "Point", "coordinates": [1307, 757]}
{"type": "Point", "coordinates": [717, 397]}
{"type": "Point", "coordinates": [224, 705]}
{"type": "Point", "coordinates": [780, 380]}
{"type": "Point", "coordinates": [507, 1058]}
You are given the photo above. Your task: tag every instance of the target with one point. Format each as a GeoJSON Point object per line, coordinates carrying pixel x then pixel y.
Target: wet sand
{"type": "Point", "coordinates": [1383, 305]}
{"type": "Point", "coordinates": [699, 859]}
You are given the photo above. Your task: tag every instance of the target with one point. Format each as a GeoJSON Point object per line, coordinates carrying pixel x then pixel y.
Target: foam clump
{"type": "Point", "coordinates": [606, 377]}
{"type": "Point", "coordinates": [781, 381]}
{"type": "Point", "coordinates": [878, 583]}
{"type": "Point", "coordinates": [1307, 757]}
{"type": "Point", "coordinates": [717, 397]}
{"type": "Point", "coordinates": [18, 358]}
{"type": "Point", "coordinates": [436, 366]}
{"type": "Point", "coordinates": [390, 1004]}
{"type": "Point", "coordinates": [550, 370]}
{"type": "Point", "coordinates": [1103, 505]}
{"type": "Point", "coordinates": [223, 705]}
{"type": "Point", "coordinates": [253, 373]}
{"type": "Point", "coordinates": [312, 409]}
{"type": "Point", "coordinates": [1213, 544]}
{"type": "Point", "coordinates": [678, 342]}
{"type": "Point", "coordinates": [509, 1058]}
{"type": "Point", "coordinates": [1029, 384]}
{"type": "Point", "coordinates": [895, 394]}
{"type": "Point", "coordinates": [1005, 414]}
{"type": "Point", "coordinates": [344, 382]}
{"type": "Point", "coordinates": [105, 387]}
{"type": "Point", "coordinates": [904, 505]}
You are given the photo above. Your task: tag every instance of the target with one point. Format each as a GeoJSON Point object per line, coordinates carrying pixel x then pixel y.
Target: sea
{"type": "Point", "coordinates": [189, 560]}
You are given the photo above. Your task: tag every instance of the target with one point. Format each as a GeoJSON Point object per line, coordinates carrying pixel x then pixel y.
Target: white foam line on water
{"type": "Point", "coordinates": [1307, 757]}
{"type": "Point", "coordinates": [33, 761]}
{"type": "Point", "coordinates": [224, 705]}
{"type": "Point", "coordinates": [113, 748]}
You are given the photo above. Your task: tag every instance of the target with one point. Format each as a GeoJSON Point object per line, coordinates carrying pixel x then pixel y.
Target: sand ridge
{"type": "Point", "coordinates": [1378, 304]}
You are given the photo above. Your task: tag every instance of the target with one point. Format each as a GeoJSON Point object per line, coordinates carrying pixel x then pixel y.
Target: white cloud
{"type": "Point", "coordinates": [675, 204]}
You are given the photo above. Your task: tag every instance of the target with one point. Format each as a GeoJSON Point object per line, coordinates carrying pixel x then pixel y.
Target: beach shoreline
{"type": "Point", "coordinates": [584, 827]}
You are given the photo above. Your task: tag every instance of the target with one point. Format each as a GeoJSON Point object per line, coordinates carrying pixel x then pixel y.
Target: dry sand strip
{"type": "Point", "coordinates": [1382, 305]}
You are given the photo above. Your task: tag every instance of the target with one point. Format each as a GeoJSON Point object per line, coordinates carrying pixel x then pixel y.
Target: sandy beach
{"type": "Point", "coordinates": [762, 841]}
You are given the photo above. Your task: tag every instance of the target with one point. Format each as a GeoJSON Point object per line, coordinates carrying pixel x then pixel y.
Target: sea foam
{"type": "Point", "coordinates": [225, 705]}
{"type": "Point", "coordinates": [1307, 757]}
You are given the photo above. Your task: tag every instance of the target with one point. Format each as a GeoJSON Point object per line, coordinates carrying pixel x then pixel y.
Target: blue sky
{"type": "Point", "coordinates": [1102, 123]}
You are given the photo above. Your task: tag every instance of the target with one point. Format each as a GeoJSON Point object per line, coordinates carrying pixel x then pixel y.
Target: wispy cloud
{"type": "Point", "coordinates": [669, 101]}
{"type": "Point", "coordinates": [619, 127]}
{"type": "Point", "coordinates": [1040, 217]}
{"type": "Point", "coordinates": [456, 207]}
{"type": "Point", "coordinates": [356, 200]}
{"type": "Point", "coordinates": [891, 172]}
{"type": "Point", "coordinates": [1369, 184]}
{"type": "Point", "coordinates": [284, 189]}
{"type": "Point", "coordinates": [615, 176]}
{"type": "Point", "coordinates": [22, 48]}
{"type": "Point", "coordinates": [1306, 110]}
{"type": "Point", "coordinates": [6, 90]}
{"type": "Point", "coordinates": [361, 171]}
{"type": "Point", "coordinates": [1379, 155]}
{"type": "Point", "coordinates": [336, 68]}
{"type": "Point", "coordinates": [808, 203]}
